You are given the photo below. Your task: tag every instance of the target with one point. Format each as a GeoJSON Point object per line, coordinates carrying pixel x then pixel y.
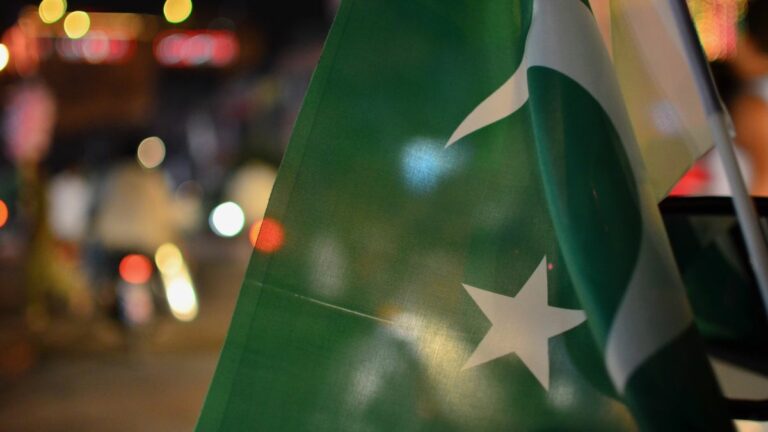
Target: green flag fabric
{"type": "Point", "coordinates": [468, 241]}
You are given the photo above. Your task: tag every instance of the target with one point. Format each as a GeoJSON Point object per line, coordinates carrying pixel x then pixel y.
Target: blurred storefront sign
{"type": "Point", "coordinates": [110, 38]}
{"type": "Point", "coordinates": [112, 94]}
{"type": "Point", "coordinates": [23, 50]}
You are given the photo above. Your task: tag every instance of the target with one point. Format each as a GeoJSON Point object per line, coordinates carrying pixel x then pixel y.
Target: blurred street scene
{"type": "Point", "coordinates": [93, 375]}
{"type": "Point", "coordinates": [140, 141]}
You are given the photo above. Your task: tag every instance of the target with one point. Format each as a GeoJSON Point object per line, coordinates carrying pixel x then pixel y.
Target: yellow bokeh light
{"type": "Point", "coordinates": [77, 24]}
{"type": "Point", "coordinates": [179, 289]}
{"type": "Point", "coordinates": [168, 259]}
{"type": "Point", "coordinates": [177, 11]}
{"type": "Point", "coordinates": [151, 152]}
{"type": "Point", "coordinates": [5, 56]}
{"type": "Point", "coordinates": [51, 11]}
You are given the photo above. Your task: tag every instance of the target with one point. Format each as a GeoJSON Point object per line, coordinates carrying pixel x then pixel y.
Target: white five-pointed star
{"type": "Point", "coordinates": [522, 324]}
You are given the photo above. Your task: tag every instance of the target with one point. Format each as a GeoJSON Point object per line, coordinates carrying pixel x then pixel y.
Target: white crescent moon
{"type": "Point", "coordinates": [563, 36]}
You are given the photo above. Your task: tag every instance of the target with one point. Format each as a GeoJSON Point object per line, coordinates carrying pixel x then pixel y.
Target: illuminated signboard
{"type": "Point", "coordinates": [202, 48]}
{"type": "Point", "coordinates": [95, 48]}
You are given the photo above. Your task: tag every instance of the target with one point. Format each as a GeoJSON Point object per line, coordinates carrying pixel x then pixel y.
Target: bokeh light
{"type": "Point", "coordinates": [179, 290]}
{"type": "Point", "coordinates": [227, 219]}
{"type": "Point", "coordinates": [425, 164]}
{"type": "Point", "coordinates": [196, 48]}
{"type": "Point", "coordinates": [51, 11]}
{"type": "Point", "coordinates": [77, 24]}
{"type": "Point", "coordinates": [5, 56]}
{"type": "Point", "coordinates": [3, 213]}
{"type": "Point", "coordinates": [267, 235]}
{"type": "Point", "coordinates": [182, 298]}
{"type": "Point", "coordinates": [151, 152]}
{"type": "Point", "coordinates": [168, 259]}
{"type": "Point", "coordinates": [176, 11]}
{"type": "Point", "coordinates": [135, 269]}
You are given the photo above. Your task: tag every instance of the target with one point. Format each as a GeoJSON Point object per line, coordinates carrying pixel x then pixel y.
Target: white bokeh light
{"type": "Point", "coordinates": [5, 56]}
{"type": "Point", "coordinates": [182, 298]}
{"type": "Point", "coordinates": [227, 219]}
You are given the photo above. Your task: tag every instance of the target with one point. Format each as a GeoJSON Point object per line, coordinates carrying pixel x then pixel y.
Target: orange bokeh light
{"type": "Point", "coordinates": [267, 235]}
{"type": "Point", "coordinates": [135, 269]}
{"type": "Point", "coordinates": [3, 213]}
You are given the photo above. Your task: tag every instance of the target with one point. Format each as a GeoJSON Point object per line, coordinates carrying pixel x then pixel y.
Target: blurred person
{"type": "Point", "coordinates": [135, 211]}
{"type": "Point", "coordinates": [745, 88]}
{"type": "Point", "coordinates": [69, 200]}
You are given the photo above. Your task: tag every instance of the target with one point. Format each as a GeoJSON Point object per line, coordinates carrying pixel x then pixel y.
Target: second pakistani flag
{"type": "Point", "coordinates": [462, 237]}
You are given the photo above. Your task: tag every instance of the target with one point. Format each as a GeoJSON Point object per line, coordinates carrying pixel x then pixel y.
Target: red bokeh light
{"type": "Point", "coordinates": [135, 268]}
{"type": "Point", "coordinates": [98, 48]}
{"type": "Point", "coordinates": [3, 213]}
{"type": "Point", "coordinates": [196, 48]}
{"type": "Point", "coordinates": [694, 181]}
{"type": "Point", "coordinates": [267, 235]}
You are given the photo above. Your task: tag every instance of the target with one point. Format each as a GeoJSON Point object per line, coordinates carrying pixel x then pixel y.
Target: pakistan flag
{"type": "Point", "coordinates": [470, 241]}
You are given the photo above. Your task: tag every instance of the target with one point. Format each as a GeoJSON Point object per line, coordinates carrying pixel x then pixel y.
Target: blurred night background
{"type": "Point", "coordinates": [139, 141]}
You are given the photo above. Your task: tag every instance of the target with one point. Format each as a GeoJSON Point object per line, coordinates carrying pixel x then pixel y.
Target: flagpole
{"type": "Point", "coordinates": [722, 131]}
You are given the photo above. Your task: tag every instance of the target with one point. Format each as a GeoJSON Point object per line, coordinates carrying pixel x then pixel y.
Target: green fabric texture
{"type": "Point", "coordinates": [361, 322]}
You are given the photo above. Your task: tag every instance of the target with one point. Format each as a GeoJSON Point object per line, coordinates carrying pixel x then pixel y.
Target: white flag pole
{"type": "Point", "coordinates": [722, 132]}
